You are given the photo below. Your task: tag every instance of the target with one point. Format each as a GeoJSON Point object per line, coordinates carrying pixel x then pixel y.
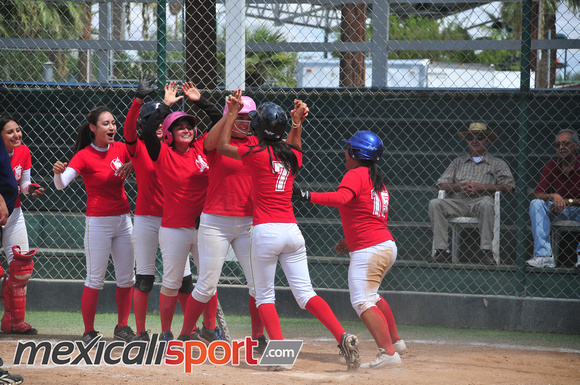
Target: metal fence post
{"type": "Point", "coordinates": [161, 44]}
{"type": "Point", "coordinates": [522, 198]}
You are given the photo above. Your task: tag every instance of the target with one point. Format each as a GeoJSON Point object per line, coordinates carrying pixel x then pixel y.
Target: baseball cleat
{"type": "Point", "coordinates": [209, 336]}
{"type": "Point", "coordinates": [166, 336]}
{"type": "Point", "coordinates": [400, 347]}
{"type": "Point", "coordinates": [349, 350]}
{"type": "Point", "coordinates": [142, 336]}
{"type": "Point", "coordinates": [261, 347]}
{"type": "Point", "coordinates": [89, 336]}
{"type": "Point", "coordinates": [7, 378]}
{"type": "Point", "coordinates": [124, 334]}
{"type": "Point", "coordinates": [382, 359]}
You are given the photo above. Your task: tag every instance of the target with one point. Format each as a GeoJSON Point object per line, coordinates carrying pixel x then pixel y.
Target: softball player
{"type": "Point", "coordinates": [363, 202]}
{"type": "Point", "coordinates": [273, 164]}
{"type": "Point", "coordinates": [149, 204]}
{"type": "Point", "coordinates": [14, 231]}
{"type": "Point", "coordinates": [97, 157]}
{"type": "Point", "coordinates": [182, 169]}
{"type": "Point", "coordinates": [227, 220]}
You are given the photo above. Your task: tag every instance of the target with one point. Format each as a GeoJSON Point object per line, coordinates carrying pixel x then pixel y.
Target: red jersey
{"type": "Point", "coordinates": [184, 177]}
{"type": "Point", "coordinates": [230, 183]}
{"type": "Point", "coordinates": [364, 218]}
{"type": "Point", "coordinates": [271, 185]}
{"type": "Point", "coordinates": [149, 190]}
{"type": "Point", "coordinates": [105, 190]}
{"type": "Point", "coordinates": [20, 162]}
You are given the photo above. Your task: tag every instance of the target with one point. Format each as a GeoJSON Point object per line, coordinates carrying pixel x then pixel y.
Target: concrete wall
{"type": "Point", "coordinates": [410, 308]}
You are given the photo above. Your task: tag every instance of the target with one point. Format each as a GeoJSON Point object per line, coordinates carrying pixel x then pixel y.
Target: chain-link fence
{"type": "Point", "coordinates": [416, 73]}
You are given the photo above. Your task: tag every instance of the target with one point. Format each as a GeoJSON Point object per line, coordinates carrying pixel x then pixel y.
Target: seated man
{"type": "Point", "coordinates": [470, 182]}
{"type": "Point", "coordinates": [557, 197]}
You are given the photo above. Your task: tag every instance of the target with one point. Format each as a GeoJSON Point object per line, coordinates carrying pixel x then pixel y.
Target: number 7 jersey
{"type": "Point", "coordinates": [271, 185]}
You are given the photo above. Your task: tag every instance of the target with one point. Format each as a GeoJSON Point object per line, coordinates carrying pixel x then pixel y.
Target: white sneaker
{"type": "Point", "coordinates": [382, 359]}
{"type": "Point", "coordinates": [400, 347]}
{"type": "Point", "coordinates": [541, 262]}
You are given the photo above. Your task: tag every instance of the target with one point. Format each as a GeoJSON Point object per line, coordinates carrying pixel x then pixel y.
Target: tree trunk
{"type": "Point", "coordinates": [546, 72]}
{"type": "Point", "coordinates": [352, 29]}
{"type": "Point", "coordinates": [200, 44]}
{"type": "Point", "coordinates": [84, 55]}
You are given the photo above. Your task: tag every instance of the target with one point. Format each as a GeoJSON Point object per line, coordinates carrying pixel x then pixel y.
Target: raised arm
{"type": "Point", "coordinates": [150, 138]}
{"type": "Point", "coordinates": [205, 105]}
{"type": "Point", "coordinates": [224, 147]}
{"type": "Point", "coordinates": [144, 88]}
{"type": "Point", "coordinates": [298, 114]}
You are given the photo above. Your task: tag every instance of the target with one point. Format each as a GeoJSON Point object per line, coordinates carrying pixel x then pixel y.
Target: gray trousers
{"type": "Point", "coordinates": [440, 210]}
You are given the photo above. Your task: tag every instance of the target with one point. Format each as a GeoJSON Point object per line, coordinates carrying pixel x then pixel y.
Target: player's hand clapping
{"type": "Point", "coordinates": [59, 167]}
{"type": "Point", "coordinates": [35, 190]}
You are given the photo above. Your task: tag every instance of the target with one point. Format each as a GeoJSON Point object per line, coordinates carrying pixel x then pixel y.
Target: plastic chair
{"type": "Point", "coordinates": [459, 223]}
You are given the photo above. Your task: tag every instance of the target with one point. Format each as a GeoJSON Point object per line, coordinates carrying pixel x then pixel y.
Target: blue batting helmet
{"type": "Point", "coordinates": [365, 145]}
{"type": "Point", "coordinates": [147, 110]}
{"type": "Point", "coordinates": [269, 121]}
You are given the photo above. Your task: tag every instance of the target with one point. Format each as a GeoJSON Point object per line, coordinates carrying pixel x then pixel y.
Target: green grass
{"type": "Point", "coordinates": [70, 324]}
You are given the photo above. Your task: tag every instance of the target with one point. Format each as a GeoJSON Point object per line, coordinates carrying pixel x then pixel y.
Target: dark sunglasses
{"type": "Point", "coordinates": [479, 137]}
{"type": "Point", "coordinates": [565, 143]}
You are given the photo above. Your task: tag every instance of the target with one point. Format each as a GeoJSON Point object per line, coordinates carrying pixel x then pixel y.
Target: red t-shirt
{"type": "Point", "coordinates": [230, 183]}
{"type": "Point", "coordinates": [184, 177]}
{"type": "Point", "coordinates": [271, 190]}
{"type": "Point", "coordinates": [105, 190]}
{"type": "Point", "coordinates": [553, 180]}
{"type": "Point", "coordinates": [20, 162]}
{"type": "Point", "coordinates": [364, 217]}
{"type": "Point", "coordinates": [149, 189]}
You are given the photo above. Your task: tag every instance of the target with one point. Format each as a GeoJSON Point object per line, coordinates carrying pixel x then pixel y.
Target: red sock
{"type": "Point", "coordinates": [140, 302]}
{"type": "Point", "coordinates": [322, 311]}
{"type": "Point", "coordinates": [377, 324]}
{"type": "Point", "coordinates": [167, 308]}
{"type": "Point", "coordinates": [209, 313]}
{"type": "Point", "coordinates": [269, 317]}
{"type": "Point", "coordinates": [183, 298]}
{"type": "Point", "coordinates": [193, 311]}
{"type": "Point", "coordinates": [257, 326]}
{"type": "Point", "coordinates": [386, 310]}
{"type": "Point", "coordinates": [124, 296]}
{"type": "Point", "coordinates": [89, 307]}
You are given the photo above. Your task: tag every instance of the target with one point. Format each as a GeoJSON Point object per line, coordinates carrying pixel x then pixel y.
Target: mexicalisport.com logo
{"type": "Point", "coordinates": [155, 352]}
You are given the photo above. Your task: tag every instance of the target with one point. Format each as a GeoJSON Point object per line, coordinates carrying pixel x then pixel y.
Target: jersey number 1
{"type": "Point", "coordinates": [380, 203]}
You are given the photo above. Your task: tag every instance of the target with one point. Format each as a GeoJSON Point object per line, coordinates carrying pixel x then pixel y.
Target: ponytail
{"type": "Point", "coordinates": [375, 174]}
{"type": "Point", "coordinates": [84, 135]}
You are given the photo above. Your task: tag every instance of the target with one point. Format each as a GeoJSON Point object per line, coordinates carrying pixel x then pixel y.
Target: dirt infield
{"type": "Point", "coordinates": [427, 362]}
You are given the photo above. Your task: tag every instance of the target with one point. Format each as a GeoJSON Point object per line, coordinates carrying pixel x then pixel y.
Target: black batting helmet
{"type": "Point", "coordinates": [269, 121]}
{"type": "Point", "coordinates": [146, 111]}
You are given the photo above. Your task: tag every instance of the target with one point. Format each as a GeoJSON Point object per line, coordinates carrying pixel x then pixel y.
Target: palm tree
{"type": "Point", "coordinates": [37, 19]}
{"type": "Point", "coordinates": [543, 27]}
{"type": "Point", "coordinates": [274, 68]}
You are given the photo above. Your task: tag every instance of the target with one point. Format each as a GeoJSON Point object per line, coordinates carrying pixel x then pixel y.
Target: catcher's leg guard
{"type": "Point", "coordinates": [18, 276]}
